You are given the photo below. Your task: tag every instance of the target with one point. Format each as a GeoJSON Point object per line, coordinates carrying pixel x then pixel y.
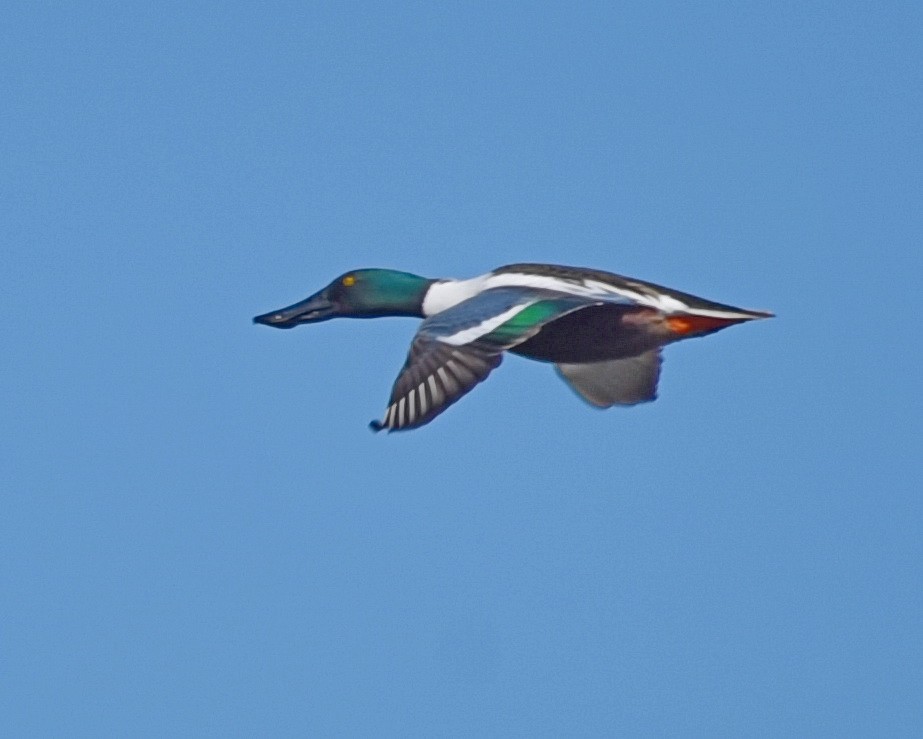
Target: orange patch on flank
{"type": "Point", "coordinates": [695, 324]}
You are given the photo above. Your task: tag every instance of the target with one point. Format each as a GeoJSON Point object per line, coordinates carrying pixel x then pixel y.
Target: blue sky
{"type": "Point", "coordinates": [200, 536]}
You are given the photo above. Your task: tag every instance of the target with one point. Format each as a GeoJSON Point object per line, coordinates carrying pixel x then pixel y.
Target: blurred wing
{"type": "Point", "coordinates": [456, 349]}
{"type": "Point", "coordinates": [615, 382]}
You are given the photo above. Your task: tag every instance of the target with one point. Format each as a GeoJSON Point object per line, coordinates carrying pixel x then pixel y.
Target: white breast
{"type": "Point", "coordinates": [446, 293]}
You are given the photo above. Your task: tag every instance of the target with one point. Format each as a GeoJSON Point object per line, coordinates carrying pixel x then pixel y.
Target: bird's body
{"type": "Point", "coordinates": [602, 331]}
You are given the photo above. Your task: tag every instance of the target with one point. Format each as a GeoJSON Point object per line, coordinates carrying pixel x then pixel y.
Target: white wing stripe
{"type": "Point", "coordinates": [585, 288]}
{"type": "Point", "coordinates": [434, 391]}
{"type": "Point", "coordinates": [451, 385]}
{"type": "Point", "coordinates": [466, 336]}
{"type": "Point", "coordinates": [423, 405]}
{"type": "Point", "coordinates": [445, 294]}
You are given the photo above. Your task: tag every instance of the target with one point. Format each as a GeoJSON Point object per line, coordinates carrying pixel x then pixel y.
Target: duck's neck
{"type": "Point", "coordinates": [386, 292]}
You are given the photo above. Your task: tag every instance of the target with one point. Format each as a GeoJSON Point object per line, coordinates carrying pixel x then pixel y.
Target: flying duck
{"type": "Point", "coordinates": [603, 332]}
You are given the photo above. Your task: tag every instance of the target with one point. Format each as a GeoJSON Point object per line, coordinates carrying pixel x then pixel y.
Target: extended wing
{"type": "Point", "coordinates": [456, 349]}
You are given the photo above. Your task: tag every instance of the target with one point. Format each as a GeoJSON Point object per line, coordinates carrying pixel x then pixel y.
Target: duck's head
{"type": "Point", "coordinates": [362, 293]}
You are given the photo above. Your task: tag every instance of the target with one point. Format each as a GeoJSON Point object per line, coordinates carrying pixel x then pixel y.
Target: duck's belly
{"type": "Point", "coordinates": [597, 333]}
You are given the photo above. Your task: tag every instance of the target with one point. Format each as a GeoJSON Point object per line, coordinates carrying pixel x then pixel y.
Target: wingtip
{"type": "Point", "coordinates": [376, 426]}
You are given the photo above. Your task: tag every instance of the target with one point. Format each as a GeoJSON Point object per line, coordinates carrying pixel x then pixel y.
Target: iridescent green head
{"type": "Point", "coordinates": [362, 293]}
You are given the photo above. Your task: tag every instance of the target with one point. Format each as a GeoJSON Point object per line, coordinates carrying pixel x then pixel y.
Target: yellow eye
{"type": "Point", "coordinates": [349, 280]}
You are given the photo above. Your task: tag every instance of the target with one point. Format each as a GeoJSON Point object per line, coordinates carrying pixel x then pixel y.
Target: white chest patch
{"type": "Point", "coordinates": [443, 295]}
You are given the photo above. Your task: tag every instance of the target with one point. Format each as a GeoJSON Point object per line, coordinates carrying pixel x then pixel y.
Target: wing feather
{"type": "Point", "coordinates": [625, 381]}
{"type": "Point", "coordinates": [458, 348]}
{"type": "Point", "coordinates": [428, 373]}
